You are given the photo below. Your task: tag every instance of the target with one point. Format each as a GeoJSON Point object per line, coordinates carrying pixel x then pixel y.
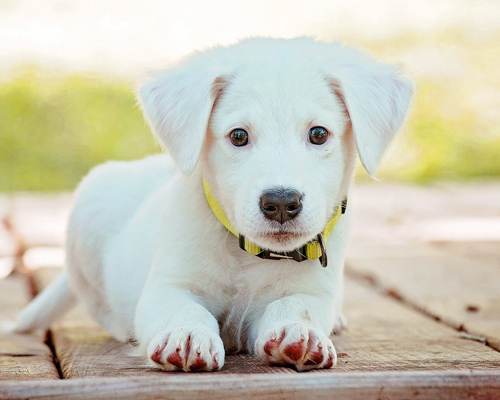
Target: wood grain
{"type": "Point", "coordinates": [460, 290]}
{"type": "Point", "coordinates": [422, 385]}
{"type": "Point", "coordinates": [22, 357]}
{"type": "Point", "coordinates": [86, 350]}
{"type": "Point", "coordinates": [455, 280]}
{"type": "Point", "coordinates": [392, 349]}
{"type": "Point", "coordinates": [382, 335]}
{"type": "Point", "coordinates": [385, 335]}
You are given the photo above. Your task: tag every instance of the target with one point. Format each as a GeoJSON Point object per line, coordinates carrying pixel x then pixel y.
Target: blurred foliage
{"type": "Point", "coordinates": [453, 129]}
{"type": "Point", "coordinates": [436, 145]}
{"type": "Point", "coordinates": [53, 130]}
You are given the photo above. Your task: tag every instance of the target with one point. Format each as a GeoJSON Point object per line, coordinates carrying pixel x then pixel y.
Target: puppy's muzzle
{"type": "Point", "coordinates": [281, 204]}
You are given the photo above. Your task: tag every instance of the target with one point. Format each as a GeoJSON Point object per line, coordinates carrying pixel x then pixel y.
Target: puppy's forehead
{"type": "Point", "coordinates": [273, 91]}
{"type": "Point", "coordinates": [272, 81]}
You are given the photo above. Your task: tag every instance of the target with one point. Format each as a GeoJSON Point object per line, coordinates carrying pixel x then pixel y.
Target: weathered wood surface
{"type": "Point", "coordinates": [40, 220]}
{"type": "Point", "coordinates": [86, 350]}
{"type": "Point", "coordinates": [383, 335]}
{"type": "Point", "coordinates": [442, 385]}
{"type": "Point", "coordinates": [446, 273]}
{"type": "Point", "coordinates": [22, 357]}
{"type": "Point", "coordinates": [423, 264]}
{"type": "Point", "coordinates": [460, 290]}
{"type": "Point", "coordinates": [8, 242]}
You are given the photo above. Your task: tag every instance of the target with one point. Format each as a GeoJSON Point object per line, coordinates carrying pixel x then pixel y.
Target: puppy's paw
{"type": "Point", "coordinates": [298, 345]}
{"type": "Point", "coordinates": [187, 349]}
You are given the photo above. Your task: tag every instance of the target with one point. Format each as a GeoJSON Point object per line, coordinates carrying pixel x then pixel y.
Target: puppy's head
{"type": "Point", "coordinates": [276, 124]}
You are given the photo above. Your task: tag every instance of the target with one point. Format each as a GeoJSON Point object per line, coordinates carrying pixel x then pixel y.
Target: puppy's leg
{"type": "Point", "coordinates": [340, 321]}
{"type": "Point", "coordinates": [340, 324]}
{"type": "Point", "coordinates": [178, 332]}
{"type": "Point", "coordinates": [291, 332]}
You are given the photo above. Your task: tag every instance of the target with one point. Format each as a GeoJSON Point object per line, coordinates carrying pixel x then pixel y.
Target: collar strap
{"type": "Point", "coordinates": [315, 249]}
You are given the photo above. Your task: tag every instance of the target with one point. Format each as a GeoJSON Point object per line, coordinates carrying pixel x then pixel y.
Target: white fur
{"type": "Point", "coordinates": [145, 252]}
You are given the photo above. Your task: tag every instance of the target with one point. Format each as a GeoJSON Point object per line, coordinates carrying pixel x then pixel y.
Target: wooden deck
{"type": "Point", "coordinates": [422, 302]}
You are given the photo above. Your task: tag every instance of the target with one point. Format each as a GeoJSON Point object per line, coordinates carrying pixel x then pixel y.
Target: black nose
{"type": "Point", "coordinates": [281, 204]}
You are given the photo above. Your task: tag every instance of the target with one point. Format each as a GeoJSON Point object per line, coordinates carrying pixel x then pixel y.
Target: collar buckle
{"type": "Point", "coordinates": [323, 259]}
{"type": "Point", "coordinates": [297, 255]}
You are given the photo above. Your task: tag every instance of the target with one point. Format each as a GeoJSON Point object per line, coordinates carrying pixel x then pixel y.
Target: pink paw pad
{"type": "Point", "coordinates": [297, 347]}
{"type": "Point", "coordinates": [198, 365]}
{"type": "Point", "coordinates": [315, 358]}
{"type": "Point", "coordinates": [156, 357]}
{"type": "Point", "coordinates": [175, 359]}
{"type": "Point", "coordinates": [330, 361]}
{"type": "Point", "coordinates": [295, 351]}
{"type": "Point", "coordinates": [270, 346]}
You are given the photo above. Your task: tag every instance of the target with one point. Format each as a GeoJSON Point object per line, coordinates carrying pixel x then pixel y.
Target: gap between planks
{"type": "Point", "coordinates": [386, 385]}
{"type": "Point", "coordinates": [23, 357]}
{"type": "Point", "coordinates": [32, 287]}
{"type": "Point", "coordinates": [372, 282]}
{"type": "Point", "coordinates": [49, 342]}
{"type": "Point", "coordinates": [384, 336]}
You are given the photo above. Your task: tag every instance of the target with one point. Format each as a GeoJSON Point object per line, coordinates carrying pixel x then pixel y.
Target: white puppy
{"type": "Point", "coordinates": [270, 129]}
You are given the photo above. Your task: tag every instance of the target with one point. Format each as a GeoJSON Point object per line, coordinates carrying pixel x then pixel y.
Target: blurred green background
{"type": "Point", "coordinates": [55, 126]}
{"type": "Point", "coordinates": [53, 130]}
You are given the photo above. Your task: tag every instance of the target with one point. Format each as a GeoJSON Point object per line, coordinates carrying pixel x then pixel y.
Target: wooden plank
{"type": "Point", "coordinates": [477, 198]}
{"type": "Point", "coordinates": [462, 291]}
{"type": "Point", "coordinates": [387, 214]}
{"type": "Point", "coordinates": [396, 202]}
{"type": "Point", "coordinates": [382, 335]}
{"type": "Point", "coordinates": [22, 357]}
{"type": "Point", "coordinates": [43, 256]}
{"type": "Point", "coordinates": [40, 220]}
{"type": "Point", "coordinates": [422, 385]}
{"type": "Point", "coordinates": [9, 246]}
{"type": "Point", "coordinates": [85, 350]}
{"type": "Point", "coordinates": [479, 314]}
{"type": "Point", "coordinates": [476, 251]}
{"type": "Point", "coordinates": [454, 277]}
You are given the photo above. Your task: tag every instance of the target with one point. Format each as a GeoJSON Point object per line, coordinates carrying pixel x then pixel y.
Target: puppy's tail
{"type": "Point", "coordinates": [49, 305]}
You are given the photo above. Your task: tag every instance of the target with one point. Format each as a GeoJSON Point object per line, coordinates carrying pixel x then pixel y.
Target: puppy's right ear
{"type": "Point", "coordinates": [376, 97]}
{"type": "Point", "coordinates": [178, 103]}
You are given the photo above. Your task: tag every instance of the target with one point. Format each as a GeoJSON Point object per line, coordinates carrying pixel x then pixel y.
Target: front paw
{"type": "Point", "coordinates": [187, 349]}
{"type": "Point", "coordinates": [298, 345]}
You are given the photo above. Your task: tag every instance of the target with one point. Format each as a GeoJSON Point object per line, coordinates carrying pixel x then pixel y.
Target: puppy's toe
{"type": "Point", "coordinates": [184, 349]}
{"type": "Point", "coordinates": [320, 352]}
{"type": "Point", "coordinates": [297, 345]}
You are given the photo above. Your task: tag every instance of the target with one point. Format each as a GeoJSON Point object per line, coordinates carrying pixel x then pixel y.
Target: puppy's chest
{"type": "Point", "coordinates": [249, 294]}
{"type": "Point", "coordinates": [237, 316]}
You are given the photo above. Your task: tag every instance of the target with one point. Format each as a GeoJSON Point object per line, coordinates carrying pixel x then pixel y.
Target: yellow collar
{"type": "Point", "coordinates": [312, 250]}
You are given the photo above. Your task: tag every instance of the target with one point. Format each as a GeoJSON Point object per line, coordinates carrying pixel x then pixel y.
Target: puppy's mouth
{"type": "Point", "coordinates": [283, 240]}
{"type": "Point", "coordinates": [278, 237]}
{"type": "Point", "coordinates": [282, 236]}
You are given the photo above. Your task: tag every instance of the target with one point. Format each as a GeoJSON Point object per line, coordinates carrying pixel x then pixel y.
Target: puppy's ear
{"type": "Point", "coordinates": [376, 97]}
{"type": "Point", "coordinates": [178, 103]}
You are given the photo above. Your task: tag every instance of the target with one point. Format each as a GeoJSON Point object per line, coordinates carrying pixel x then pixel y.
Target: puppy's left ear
{"type": "Point", "coordinates": [377, 98]}
{"type": "Point", "coordinates": [178, 103]}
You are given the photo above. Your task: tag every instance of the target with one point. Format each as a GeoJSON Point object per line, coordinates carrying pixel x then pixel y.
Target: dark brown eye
{"type": "Point", "coordinates": [239, 137]}
{"type": "Point", "coordinates": [318, 135]}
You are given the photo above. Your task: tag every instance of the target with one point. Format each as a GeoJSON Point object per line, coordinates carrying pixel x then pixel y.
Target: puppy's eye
{"type": "Point", "coordinates": [239, 137]}
{"type": "Point", "coordinates": [318, 135]}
